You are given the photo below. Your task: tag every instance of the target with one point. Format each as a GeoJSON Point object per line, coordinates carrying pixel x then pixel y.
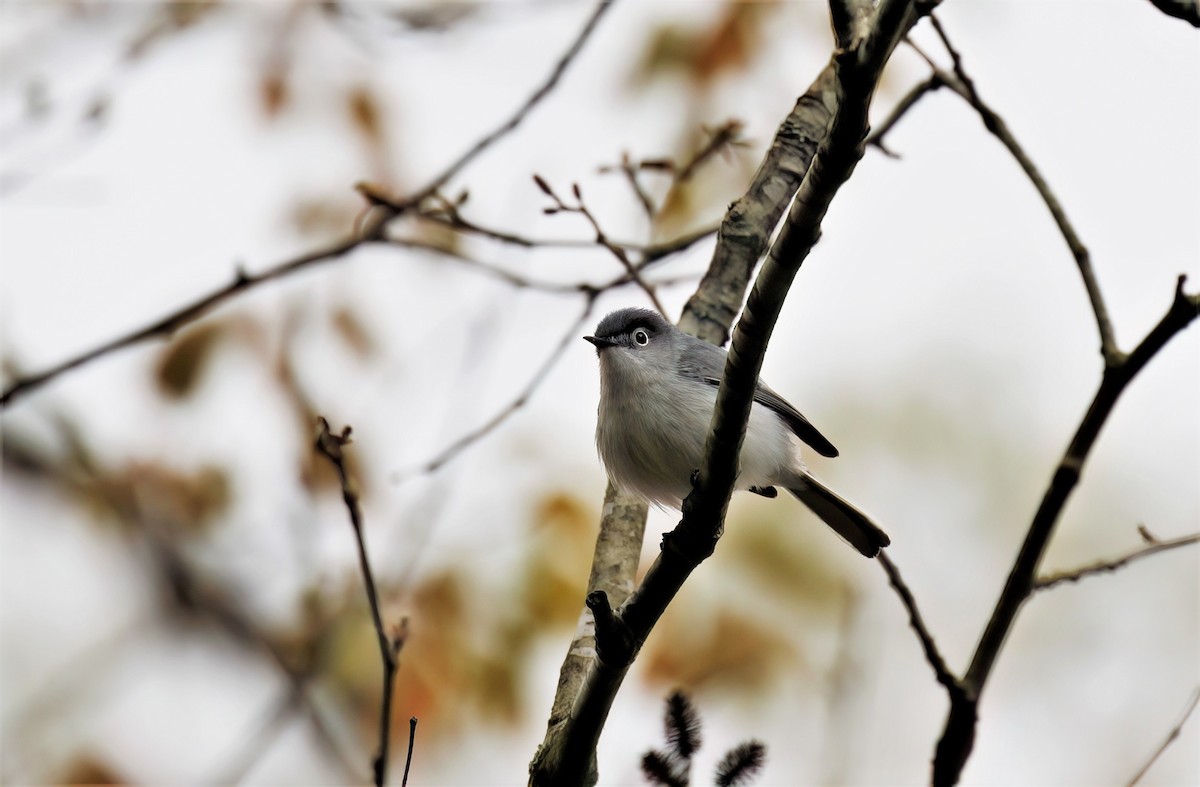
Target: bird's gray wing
{"type": "Point", "coordinates": [702, 361]}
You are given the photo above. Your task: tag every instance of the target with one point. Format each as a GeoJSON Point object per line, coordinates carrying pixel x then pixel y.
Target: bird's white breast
{"type": "Point", "coordinates": [651, 436]}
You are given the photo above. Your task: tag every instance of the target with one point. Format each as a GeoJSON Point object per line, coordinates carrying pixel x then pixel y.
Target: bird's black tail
{"type": "Point", "coordinates": [846, 520]}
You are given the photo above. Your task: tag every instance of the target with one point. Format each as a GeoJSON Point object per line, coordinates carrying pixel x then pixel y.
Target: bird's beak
{"type": "Point", "coordinates": [601, 342]}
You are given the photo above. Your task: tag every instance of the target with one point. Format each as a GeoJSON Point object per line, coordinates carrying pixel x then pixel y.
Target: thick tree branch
{"type": "Point", "coordinates": [843, 91]}
{"type": "Point", "coordinates": [330, 446]}
{"type": "Point", "coordinates": [1187, 10]}
{"type": "Point", "coordinates": [958, 734]}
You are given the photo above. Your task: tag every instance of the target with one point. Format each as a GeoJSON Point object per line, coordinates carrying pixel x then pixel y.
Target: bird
{"type": "Point", "coordinates": [658, 389]}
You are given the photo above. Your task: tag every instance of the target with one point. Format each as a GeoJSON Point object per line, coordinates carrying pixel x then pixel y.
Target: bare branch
{"type": "Point", "coordinates": [330, 446]}
{"type": "Point", "coordinates": [580, 208]}
{"type": "Point", "coordinates": [373, 232]}
{"type": "Point", "coordinates": [451, 451]}
{"type": "Point", "coordinates": [1108, 566]}
{"type": "Point", "coordinates": [190, 313]}
{"type": "Point", "coordinates": [843, 91]}
{"type": "Point", "coordinates": [964, 86]}
{"type": "Point", "coordinates": [412, 737]}
{"type": "Point", "coordinates": [630, 171]}
{"type": "Point", "coordinates": [723, 137]}
{"type": "Point", "coordinates": [1171, 736]}
{"type": "Point", "coordinates": [509, 125]}
{"type": "Point", "coordinates": [910, 99]}
{"type": "Point", "coordinates": [932, 655]}
{"type": "Point", "coordinates": [1187, 10]}
{"type": "Point", "coordinates": [958, 735]}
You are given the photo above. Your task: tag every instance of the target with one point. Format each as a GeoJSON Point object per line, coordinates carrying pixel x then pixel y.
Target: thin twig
{"type": "Point", "coordinates": [580, 208]}
{"type": "Point", "coordinates": [901, 109]}
{"type": "Point", "coordinates": [1171, 736]}
{"type": "Point", "coordinates": [451, 451]}
{"type": "Point", "coordinates": [962, 84]}
{"type": "Point", "coordinates": [330, 446]}
{"type": "Point", "coordinates": [412, 737]}
{"type": "Point", "coordinates": [1107, 566]}
{"type": "Point", "coordinates": [630, 171]}
{"type": "Point", "coordinates": [256, 745]}
{"type": "Point", "coordinates": [242, 281]}
{"type": "Point", "coordinates": [191, 312]}
{"type": "Point", "coordinates": [723, 137]}
{"type": "Point", "coordinates": [511, 278]}
{"type": "Point", "coordinates": [507, 126]}
{"type": "Point", "coordinates": [932, 654]}
{"type": "Point", "coordinates": [448, 215]}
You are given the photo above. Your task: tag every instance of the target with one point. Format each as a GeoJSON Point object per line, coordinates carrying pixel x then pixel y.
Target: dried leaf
{"type": "Point", "coordinates": [365, 114]}
{"type": "Point", "coordinates": [351, 330]}
{"type": "Point", "coordinates": [184, 360]}
{"type": "Point", "coordinates": [273, 93]}
{"type": "Point", "coordinates": [89, 768]}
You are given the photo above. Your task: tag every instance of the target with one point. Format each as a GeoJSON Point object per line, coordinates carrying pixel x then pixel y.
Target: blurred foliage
{"type": "Point", "coordinates": [763, 597]}
{"type": "Point", "coordinates": [90, 769]}
{"type": "Point", "coordinates": [554, 580]}
{"type": "Point", "coordinates": [702, 56]}
{"type": "Point", "coordinates": [183, 361]}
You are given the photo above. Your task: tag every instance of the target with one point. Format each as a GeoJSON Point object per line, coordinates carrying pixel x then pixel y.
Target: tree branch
{"type": "Point", "coordinates": [964, 86]}
{"type": "Point", "coordinates": [1171, 736]}
{"type": "Point", "coordinates": [458, 446]}
{"type": "Point", "coordinates": [190, 313]}
{"type": "Point", "coordinates": [932, 655]}
{"type": "Point", "coordinates": [1109, 566]}
{"type": "Point", "coordinates": [372, 232]}
{"type": "Point", "coordinates": [957, 739]}
{"type": "Point", "coordinates": [330, 446]}
{"type": "Point", "coordinates": [1187, 10]}
{"type": "Point", "coordinates": [509, 125]}
{"type": "Point", "coordinates": [901, 109]}
{"type": "Point", "coordinates": [843, 92]}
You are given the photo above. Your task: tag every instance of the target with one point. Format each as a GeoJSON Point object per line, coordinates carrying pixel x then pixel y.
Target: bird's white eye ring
{"type": "Point", "coordinates": [641, 338]}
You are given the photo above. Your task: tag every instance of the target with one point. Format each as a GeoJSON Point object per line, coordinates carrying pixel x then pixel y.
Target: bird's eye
{"type": "Point", "coordinates": [641, 338]}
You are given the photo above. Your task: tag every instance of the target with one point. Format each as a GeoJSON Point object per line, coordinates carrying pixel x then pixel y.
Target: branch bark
{"type": "Point", "coordinates": [840, 96]}
{"type": "Point", "coordinates": [1187, 10]}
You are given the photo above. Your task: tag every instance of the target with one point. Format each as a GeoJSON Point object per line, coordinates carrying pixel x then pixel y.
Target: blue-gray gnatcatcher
{"type": "Point", "coordinates": [658, 388]}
